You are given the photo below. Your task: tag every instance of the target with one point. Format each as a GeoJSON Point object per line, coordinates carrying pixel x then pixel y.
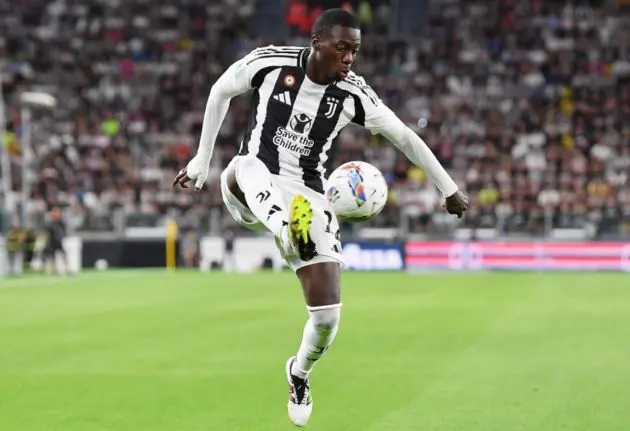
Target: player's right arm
{"type": "Point", "coordinates": [379, 119]}
{"type": "Point", "coordinates": [239, 78]}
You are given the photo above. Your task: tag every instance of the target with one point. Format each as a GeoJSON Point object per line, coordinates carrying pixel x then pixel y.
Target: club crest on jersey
{"type": "Point", "coordinates": [332, 103]}
{"type": "Point", "coordinates": [289, 80]}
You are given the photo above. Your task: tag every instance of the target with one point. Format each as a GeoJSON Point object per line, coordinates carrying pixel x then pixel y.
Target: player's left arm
{"type": "Point", "coordinates": [380, 119]}
{"type": "Point", "coordinates": [236, 80]}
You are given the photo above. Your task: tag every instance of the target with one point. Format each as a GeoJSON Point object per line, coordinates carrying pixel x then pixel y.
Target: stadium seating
{"type": "Point", "coordinates": [529, 108]}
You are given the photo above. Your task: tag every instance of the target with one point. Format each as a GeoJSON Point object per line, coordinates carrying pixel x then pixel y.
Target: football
{"type": "Point", "coordinates": [357, 191]}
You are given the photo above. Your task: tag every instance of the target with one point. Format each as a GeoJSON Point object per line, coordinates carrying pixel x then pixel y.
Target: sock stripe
{"type": "Point", "coordinates": [323, 307]}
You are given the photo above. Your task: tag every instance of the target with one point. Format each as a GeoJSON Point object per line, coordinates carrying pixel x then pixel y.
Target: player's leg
{"type": "Point", "coordinates": [250, 181]}
{"type": "Point", "coordinates": [11, 260]}
{"type": "Point", "coordinates": [28, 259]}
{"type": "Point", "coordinates": [234, 200]}
{"type": "Point", "coordinates": [57, 268]}
{"type": "Point", "coordinates": [65, 267]}
{"type": "Point", "coordinates": [49, 260]}
{"type": "Point", "coordinates": [320, 284]}
{"type": "Point", "coordinates": [320, 280]}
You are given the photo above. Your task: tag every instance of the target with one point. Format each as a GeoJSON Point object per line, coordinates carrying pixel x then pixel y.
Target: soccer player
{"type": "Point", "coordinates": [302, 97]}
{"type": "Point", "coordinates": [55, 233]}
{"type": "Point", "coordinates": [15, 247]}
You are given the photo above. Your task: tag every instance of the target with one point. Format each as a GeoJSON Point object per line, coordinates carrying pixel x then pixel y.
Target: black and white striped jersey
{"type": "Point", "coordinates": [294, 121]}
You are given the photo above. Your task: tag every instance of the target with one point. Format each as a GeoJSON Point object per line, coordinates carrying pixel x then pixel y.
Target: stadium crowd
{"type": "Point", "coordinates": [527, 103]}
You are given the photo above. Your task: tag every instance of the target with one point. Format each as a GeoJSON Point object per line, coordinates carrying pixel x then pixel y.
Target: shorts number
{"type": "Point", "coordinates": [329, 216]}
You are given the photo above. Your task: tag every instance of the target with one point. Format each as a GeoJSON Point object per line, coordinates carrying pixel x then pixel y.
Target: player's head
{"type": "Point", "coordinates": [336, 38]}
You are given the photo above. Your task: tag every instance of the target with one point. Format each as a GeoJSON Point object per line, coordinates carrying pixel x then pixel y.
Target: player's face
{"type": "Point", "coordinates": [337, 50]}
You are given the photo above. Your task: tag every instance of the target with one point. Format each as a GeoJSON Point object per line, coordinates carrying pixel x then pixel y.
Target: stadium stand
{"type": "Point", "coordinates": [526, 102]}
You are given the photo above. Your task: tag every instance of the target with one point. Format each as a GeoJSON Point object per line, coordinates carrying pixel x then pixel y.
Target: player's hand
{"type": "Point", "coordinates": [196, 170]}
{"type": "Point", "coordinates": [456, 204]}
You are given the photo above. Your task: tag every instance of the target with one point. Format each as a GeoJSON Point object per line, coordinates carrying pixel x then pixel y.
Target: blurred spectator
{"type": "Point", "coordinates": [14, 245]}
{"type": "Point", "coordinates": [55, 234]}
{"type": "Point", "coordinates": [190, 249]}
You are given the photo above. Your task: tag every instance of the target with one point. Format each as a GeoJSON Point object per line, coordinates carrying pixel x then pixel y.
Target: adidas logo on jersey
{"type": "Point", "coordinates": [284, 97]}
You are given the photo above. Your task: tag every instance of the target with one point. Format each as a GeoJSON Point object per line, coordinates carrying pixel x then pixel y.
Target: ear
{"type": "Point", "coordinates": [315, 43]}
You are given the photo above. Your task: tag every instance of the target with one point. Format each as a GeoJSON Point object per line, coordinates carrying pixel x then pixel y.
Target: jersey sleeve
{"type": "Point", "coordinates": [237, 79]}
{"type": "Point", "coordinates": [374, 115]}
{"type": "Point", "coordinates": [370, 111]}
{"type": "Point", "coordinates": [243, 75]}
{"type": "Point", "coordinates": [249, 72]}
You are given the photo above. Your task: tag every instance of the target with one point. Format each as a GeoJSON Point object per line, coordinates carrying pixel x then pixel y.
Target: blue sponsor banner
{"type": "Point", "coordinates": [374, 256]}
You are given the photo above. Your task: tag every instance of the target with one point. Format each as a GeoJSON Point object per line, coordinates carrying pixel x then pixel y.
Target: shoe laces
{"type": "Point", "coordinates": [301, 387]}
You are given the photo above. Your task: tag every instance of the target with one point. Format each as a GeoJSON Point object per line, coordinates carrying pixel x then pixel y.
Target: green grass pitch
{"type": "Point", "coordinates": [148, 350]}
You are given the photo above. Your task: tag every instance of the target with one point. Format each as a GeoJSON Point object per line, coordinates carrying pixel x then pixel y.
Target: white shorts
{"type": "Point", "coordinates": [325, 231]}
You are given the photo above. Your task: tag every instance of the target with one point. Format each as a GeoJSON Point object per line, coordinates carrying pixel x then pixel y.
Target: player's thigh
{"type": "Point", "coordinates": [320, 276]}
{"type": "Point", "coordinates": [239, 211]}
{"type": "Point", "coordinates": [325, 231]}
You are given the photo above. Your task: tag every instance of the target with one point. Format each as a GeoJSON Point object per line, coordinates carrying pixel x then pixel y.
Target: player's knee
{"type": "Point", "coordinates": [325, 319]}
{"type": "Point", "coordinates": [229, 176]}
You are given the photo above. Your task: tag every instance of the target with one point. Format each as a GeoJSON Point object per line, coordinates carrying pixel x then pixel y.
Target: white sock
{"type": "Point", "coordinates": [319, 333]}
{"type": "Point", "coordinates": [254, 180]}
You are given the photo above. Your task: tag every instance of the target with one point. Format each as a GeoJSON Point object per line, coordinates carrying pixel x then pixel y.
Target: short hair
{"type": "Point", "coordinates": [333, 17]}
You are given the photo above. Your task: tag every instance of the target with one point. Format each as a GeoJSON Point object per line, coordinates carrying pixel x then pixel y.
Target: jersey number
{"type": "Point", "coordinates": [337, 234]}
{"type": "Point", "coordinates": [328, 228]}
